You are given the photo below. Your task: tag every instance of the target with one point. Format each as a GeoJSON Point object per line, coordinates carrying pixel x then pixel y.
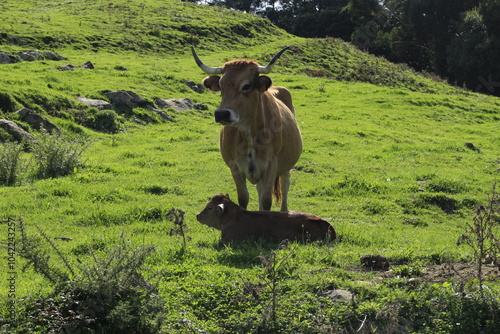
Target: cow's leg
{"type": "Point", "coordinates": [285, 186]}
{"type": "Point", "coordinates": [265, 188]}
{"type": "Point", "coordinates": [265, 196]}
{"type": "Point", "coordinates": [241, 187]}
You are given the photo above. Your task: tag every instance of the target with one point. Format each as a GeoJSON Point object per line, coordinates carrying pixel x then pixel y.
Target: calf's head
{"type": "Point", "coordinates": [212, 214]}
{"type": "Point", "coordinates": [240, 86]}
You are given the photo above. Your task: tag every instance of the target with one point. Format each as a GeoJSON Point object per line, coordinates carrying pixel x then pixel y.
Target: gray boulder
{"type": "Point", "coordinates": [339, 295]}
{"type": "Point", "coordinates": [30, 55]}
{"type": "Point", "coordinates": [4, 58]}
{"type": "Point", "coordinates": [176, 104]}
{"type": "Point", "coordinates": [198, 88]}
{"type": "Point", "coordinates": [88, 65]}
{"type": "Point", "coordinates": [69, 67]}
{"type": "Point", "coordinates": [50, 55]}
{"type": "Point", "coordinates": [180, 104]}
{"type": "Point", "coordinates": [18, 133]}
{"type": "Point", "coordinates": [125, 99]}
{"type": "Point", "coordinates": [99, 104]}
{"type": "Point", "coordinates": [37, 121]}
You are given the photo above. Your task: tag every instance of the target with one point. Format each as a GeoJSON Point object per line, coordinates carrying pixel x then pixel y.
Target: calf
{"type": "Point", "coordinates": [238, 224]}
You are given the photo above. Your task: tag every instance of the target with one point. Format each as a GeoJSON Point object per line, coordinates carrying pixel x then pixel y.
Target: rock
{"type": "Point", "coordinates": [4, 58]}
{"type": "Point", "coordinates": [18, 133]}
{"type": "Point", "coordinates": [49, 55]}
{"type": "Point", "coordinates": [200, 106]}
{"type": "Point", "coordinates": [163, 115]}
{"type": "Point", "coordinates": [180, 104]}
{"type": "Point", "coordinates": [99, 104]}
{"type": "Point", "coordinates": [124, 99]}
{"type": "Point", "coordinates": [37, 121]}
{"type": "Point", "coordinates": [198, 88]}
{"type": "Point", "coordinates": [375, 262]}
{"type": "Point", "coordinates": [176, 104]}
{"type": "Point", "coordinates": [69, 67]}
{"type": "Point", "coordinates": [339, 295]}
{"type": "Point", "coordinates": [472, 147]}
{"type": "Point", "coordinates": [121, 68]}
{"type": "Point", "coordinates": [88, 65]}
{"type": "Point", "coordinates": [30, 55]}
{"type": "Point", "coordinates": [11, 57]}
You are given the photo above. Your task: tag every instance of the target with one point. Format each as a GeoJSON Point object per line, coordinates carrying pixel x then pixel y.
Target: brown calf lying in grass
{"type": "Point", "coordinates": [238, 224]}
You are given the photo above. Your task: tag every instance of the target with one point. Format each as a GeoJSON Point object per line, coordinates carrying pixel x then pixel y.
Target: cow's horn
{"type": "Point", "coordinates": [267, 69]}
{"type": "Point", "coordinates": [205, 68]}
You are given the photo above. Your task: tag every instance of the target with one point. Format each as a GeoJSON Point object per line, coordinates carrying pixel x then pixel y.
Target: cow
{"type": "Point", "coordinates": [238, 224]}
{"type": "Point", "coordinates": [260, 139]}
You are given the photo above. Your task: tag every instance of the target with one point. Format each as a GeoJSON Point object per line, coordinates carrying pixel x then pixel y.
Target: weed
{"type": "Point", "coordinates": [179, 226]}
{"type": "Point", "coordinates": [408, 271]}
{"type": "Point", "coordinates": [11, 162]}
{"type": "Point", "coordinates": [480, 235]}
{"type": "Point", "coordinates": [58, 155]}
{"type": "Point", "coordinates": [274, 270]}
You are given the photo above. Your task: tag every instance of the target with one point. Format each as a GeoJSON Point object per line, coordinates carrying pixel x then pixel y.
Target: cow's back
{"type": "Point", "coordinates": [283, 94]}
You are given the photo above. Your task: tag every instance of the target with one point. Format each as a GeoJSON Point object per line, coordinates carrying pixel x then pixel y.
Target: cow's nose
{"type": "Point", "coordinates": [222, 115]}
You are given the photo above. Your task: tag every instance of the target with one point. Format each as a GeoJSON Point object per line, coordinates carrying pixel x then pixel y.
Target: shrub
{"type": "Point", "coordinates": [10, 162]}
{"type": "Point", "coordinates": [104, 121]}
{"type": "Point", "coordinates": [108, 295]}
{"type": "Point", "coordinates": [58, 155]}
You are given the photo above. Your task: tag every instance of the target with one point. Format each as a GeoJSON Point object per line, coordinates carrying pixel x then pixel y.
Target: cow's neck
{"type": "Point", "coordinates": [252, 128]}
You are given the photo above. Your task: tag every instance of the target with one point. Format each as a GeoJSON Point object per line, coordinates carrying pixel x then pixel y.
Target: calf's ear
{"type": "Point", "coordinates": [212, 83]}
{"type": "Point", "coordinates": [220, 208]}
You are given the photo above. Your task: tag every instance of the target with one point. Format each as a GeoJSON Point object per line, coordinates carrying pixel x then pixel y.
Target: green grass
{"type": "Point", "coordinates": [384, 161]}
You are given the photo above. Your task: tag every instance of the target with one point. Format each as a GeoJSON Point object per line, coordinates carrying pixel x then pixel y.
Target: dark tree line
{"type": "Point", "coordinates": [456, 39]}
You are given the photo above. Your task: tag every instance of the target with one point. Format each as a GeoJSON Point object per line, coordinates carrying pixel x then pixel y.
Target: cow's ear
{"type": "Point", "coordinates": [212, 83]}
{"type": "Point", "coordinates": [220, 208]}
{"type": "Point", "coordinates": [265, 82]}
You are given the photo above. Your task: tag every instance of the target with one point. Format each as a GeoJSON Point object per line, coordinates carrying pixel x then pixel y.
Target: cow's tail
{"type": "Point", "coordinates": [277, 190]}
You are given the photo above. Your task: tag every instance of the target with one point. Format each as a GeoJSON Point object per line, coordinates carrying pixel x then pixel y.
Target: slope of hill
{"type": "Point", "coordinates": [396, 162]}
{"type": "Point", "coordinates": [150, 25]}
{"type": "Point", "coordinates": [100, 29]}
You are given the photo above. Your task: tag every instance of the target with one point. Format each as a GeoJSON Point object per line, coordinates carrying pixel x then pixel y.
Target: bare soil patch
{"type": "Point", "coordinates": [457, 271]}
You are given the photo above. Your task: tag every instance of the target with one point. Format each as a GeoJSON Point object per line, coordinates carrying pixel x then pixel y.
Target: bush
{"type": "Point", "coordinates": [58, 155]}
{"type": "Point", "coordinates": [108, 295]}
{"type": "Point", "coordinates": [104, 121]}
{"type": "Point", "coordinates": [10, 162]}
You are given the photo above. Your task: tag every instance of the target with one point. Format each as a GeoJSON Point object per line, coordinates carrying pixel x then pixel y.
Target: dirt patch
{"type": "Point", "coordinates": [462, 272]}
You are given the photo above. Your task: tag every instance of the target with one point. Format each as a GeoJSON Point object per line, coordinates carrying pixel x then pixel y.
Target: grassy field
{"type": "Point", "coordinates": [385, 161]}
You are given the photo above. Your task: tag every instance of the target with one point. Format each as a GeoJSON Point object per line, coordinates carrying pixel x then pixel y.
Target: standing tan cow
{"type": "Point", "coordinates": [260, 140]}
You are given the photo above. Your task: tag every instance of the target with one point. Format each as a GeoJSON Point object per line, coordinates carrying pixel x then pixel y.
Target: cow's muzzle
{"type": "Point", "coordinates": [225, 116]}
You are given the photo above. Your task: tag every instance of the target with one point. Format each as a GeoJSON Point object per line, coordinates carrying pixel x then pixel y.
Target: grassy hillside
{"type": "Point", "coordinates": [385, 161]}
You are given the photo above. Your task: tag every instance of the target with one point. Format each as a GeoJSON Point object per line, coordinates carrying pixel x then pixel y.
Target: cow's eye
{"type": "Point", "coordinates": [245, 87]}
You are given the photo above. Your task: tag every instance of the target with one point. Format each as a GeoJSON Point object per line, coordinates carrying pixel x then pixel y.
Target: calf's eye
{"type": "Point", "coordinates": [245, 87]}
